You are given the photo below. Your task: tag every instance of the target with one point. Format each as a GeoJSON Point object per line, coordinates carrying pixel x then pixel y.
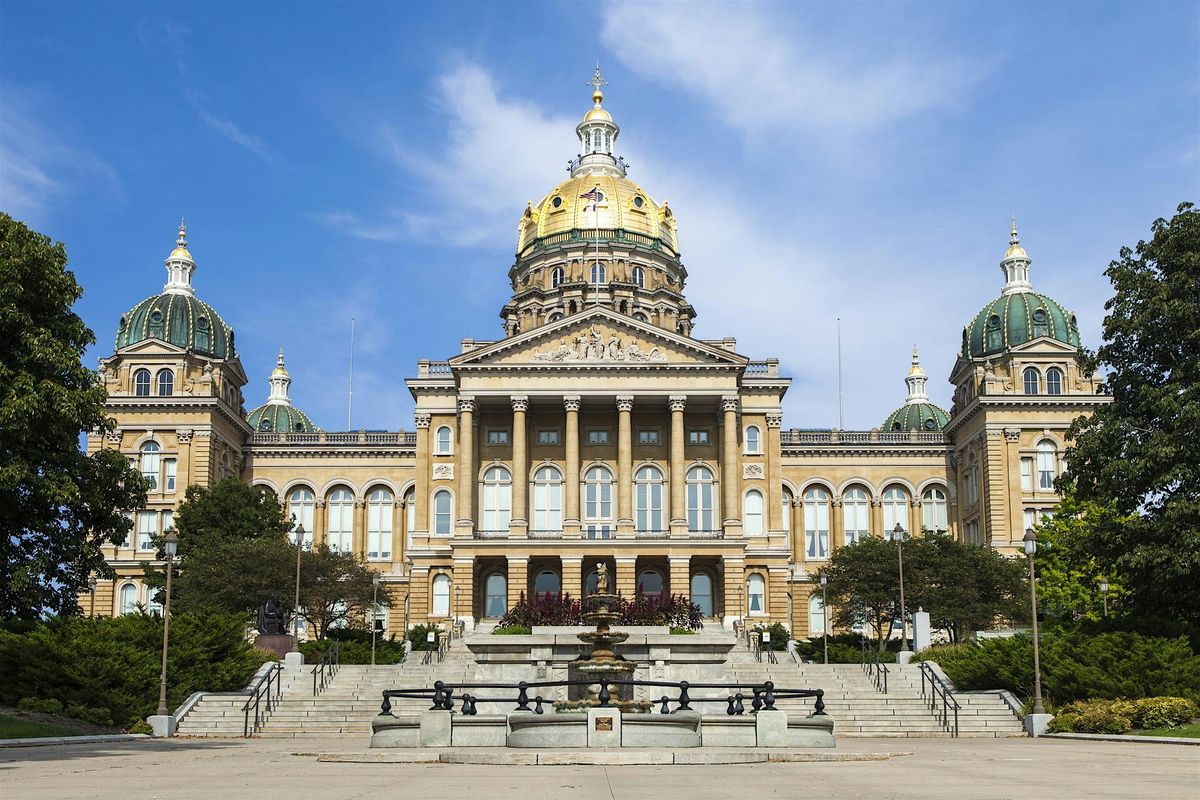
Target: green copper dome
{"type": "Point", "coordinates": [178, 318]}
{"type": "Point", "coordinates": [916, 417]}
{"type": "Point", "coordinates": [278, 418]}
{"type": "Point", "coordinates": [1014, 319]}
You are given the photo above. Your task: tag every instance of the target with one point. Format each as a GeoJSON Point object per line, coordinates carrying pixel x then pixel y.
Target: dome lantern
{"type": "Point", "coordinates": [279, 380]}
{"type": "Point", "coordinates": [180, 266]}
{"type": "Point", "coordinates": [1015, 265]}
{"type": "Point", "coordinates": [917, 413]}
{"type": "Point", "coordinates": [278, 415]}
{"type": "Point", "coordinates": [916, 381]}
{"type": "Point", "coordinates": [597, 136]}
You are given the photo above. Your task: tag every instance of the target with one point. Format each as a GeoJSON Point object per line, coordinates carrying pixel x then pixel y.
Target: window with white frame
{"type": "Point", "coordinates": [1054, 381]}
{"type": "Point", "coordinates": [141, 383]}
{"type": "Point", "coordinates": [300, 508]}
{"type": "Point", "coordinates": [701, 515]}
{"type": "Point", "coordinates": [816, 523]}
{"type": "Point", "coordinates": [168, 521]}
{"type": "Point", "coordinates": [410, 512]}
{"type": "Point", "coordinates": [648, 499]}
{"type": "Point", "coordinates": [441, 595]}
{"type": "Point", "coordinates": [380, 509]}
{"type": "Point", "coordinates": [340, 508]}
{"type": "Point", "coordinates": [753, 440]}
{"type": "Point", "coordinates": [597, 503]}
{"type": "Point", "coordinates": [497, 499]}
{"type": "Point", "coordinates": [495, 595]}
{"type": "Point", "coordinates": [785, 509]}
{"type": "Point", "coordinates": [166, 382]}
{"type": "Point", "coordinates": [547, 436]}
{"type": "Point", "coordinates": [151, 462]}
{"type": "Point", "coordinates": [556, 277]}
{"type": "Point", "coordinates": [169, 471]}
{"type": "Point", "coordinates": [856, 515]}
{"type": "Point", "coordinates": [152, 604]}
{"type": "Point", "coordinates": [1027, 474]}
{"type": "Point", "coordinates": [971, 484]}
{"type": "Point", "coordinates": [442, 512]}
{"type": "Point", "coordinates": [933, 510]}
{"type": "Point", "coordinates": [702, 593]}
{"type": "Point", "coordinates": [816, 616]}
{"type": "Point", "coordinates": [547, 499]}
{"type": "Point", "coordinates": [128, 599]}
{"type": "Point", "coordinates": [147, 528]}
{"type": "Point", "coordinates": [1032, 380]}
{"type": "Point", "coordinates": [444, 441]}
{"type": "Point", "coordinates": [756, 594]}
{"type": "Point", "coordinates": [1047, 464]}
{"type": "Point", "coordinates": [971, 533]}
{"type": "Point", "coordinates": [599, 276]}
{"type": "Point", "coordinates": [895, 511]}
{"type": "Point", "coordinates": [639, 277]}
{"type": "Point", "coordinates": [1029, 519]}
{"type": "Point", "coordinates": [752, 513]}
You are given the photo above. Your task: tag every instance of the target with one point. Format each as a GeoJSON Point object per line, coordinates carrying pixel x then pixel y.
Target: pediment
{"type": "Point", "coordinates": [599, 338]}
{"type": "Point", "coordinates": [152, 347]}
{"type": "Point", "coordinates": [1044, 344]}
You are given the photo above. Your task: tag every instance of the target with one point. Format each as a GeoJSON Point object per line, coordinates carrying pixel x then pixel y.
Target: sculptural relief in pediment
{"type": "Point", "coordinates": [598, 345]}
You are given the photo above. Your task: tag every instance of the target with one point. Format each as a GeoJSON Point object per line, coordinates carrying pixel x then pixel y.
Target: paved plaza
{"type": "Point", "coordinates": [934, 768]}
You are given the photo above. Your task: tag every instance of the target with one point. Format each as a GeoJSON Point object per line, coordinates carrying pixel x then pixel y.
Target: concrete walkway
{"type": "Point", "coordinates": [938, 768]}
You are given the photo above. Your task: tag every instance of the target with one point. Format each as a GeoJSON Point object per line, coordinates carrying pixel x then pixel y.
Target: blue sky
{"type": "Point", "coordinates": [372, 159]}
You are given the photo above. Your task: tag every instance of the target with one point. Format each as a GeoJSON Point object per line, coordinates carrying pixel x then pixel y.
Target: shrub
{"type": "Point", "coordinates": [1103, 719]}
{"type": "Point", "coordinates": [418, 636]}
{"type": "Point", "coordinates": [1163, 712]}
{"type": "Point", "coordinates": [562, 609]}
{"type": "Point", "coordinates": [141, 726]}
{"type": "Point", "coordinates": [96, 716]}
{"type": "Point", "coordinates": [844, 648]}
{"type": "Point", "coordinates": [677, 631]}
{"type": "Point", "coordinates": [41, 705]}
{"type": "Point", "coordinates": [1065, 722]}
{"type": "Point", "coordinates": [355, 647]}
{"type": "Point", "coordinates": [511, 630]}
{"type": "Point", "coordinates": [780, 635]}
{"type": "Point", "coordinates": [543, 609]}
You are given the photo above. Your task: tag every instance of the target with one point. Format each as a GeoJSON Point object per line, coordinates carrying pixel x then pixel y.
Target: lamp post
{"type": "Point", "coordinates": [92, 588]}
{"type": "Point", "coordinates": [170, 543]}
{"type": "Point", "coordinates": [1104, 596]}
{"type": "Point", "coordinates": [1030, 550]}
{"type": "Point", "coordinates": [456, 588]}
{"type": "Point", "coordinates": [296, 605]}
{"type": "Point", "coordinates": [824, 617]}
{"type": "Point", "coordinates": [374, 613]}
{"type": "Point", "coordinates": [898, 534]}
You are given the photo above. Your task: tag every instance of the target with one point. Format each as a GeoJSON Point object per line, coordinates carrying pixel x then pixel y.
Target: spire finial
{"type": "Point", "coordinates": [1012, 237]}
{"type": "Point", "coordinates": [182, 240]}
{"type": "Point", "coordinates": [596, 82]}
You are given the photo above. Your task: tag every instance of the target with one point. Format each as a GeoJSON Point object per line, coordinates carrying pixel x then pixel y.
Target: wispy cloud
{"type": "Point", "coordinates": [226, 127]}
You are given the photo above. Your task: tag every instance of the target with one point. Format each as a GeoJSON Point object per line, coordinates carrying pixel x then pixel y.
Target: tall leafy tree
{"type": "Point", "coordinates": [1140, 451]}
{"type": "Point", "coordinates": [58, 505]}
{"type": "Point", "coordinates": [864, 587]}
{"type": "Point", "coordinates": [1069, 575]}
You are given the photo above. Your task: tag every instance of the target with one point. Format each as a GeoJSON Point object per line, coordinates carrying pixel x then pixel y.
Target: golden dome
{"type": "Point", "coordinates": [280, 371]}
{"type": "Point", "coordinates": [1014, 244]}
{"type": "Point", "coordinates": [181, 251]}
{"type": "Point", "coordinates": [624, 205]}
{"type": "Point", "coordinates": [597, 113]}
{"type": "Point", "coordinates": [915, 369]}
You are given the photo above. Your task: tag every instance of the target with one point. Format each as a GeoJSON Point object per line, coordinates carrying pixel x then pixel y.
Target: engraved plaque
{"type": "Point", "coordinates": [604, 723]}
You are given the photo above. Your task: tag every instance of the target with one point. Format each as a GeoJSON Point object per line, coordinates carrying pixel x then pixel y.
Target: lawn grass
{"type": "Point", "coordinates": [12, 727]}
{"type": "Point", "coordinates": [1189, 731]}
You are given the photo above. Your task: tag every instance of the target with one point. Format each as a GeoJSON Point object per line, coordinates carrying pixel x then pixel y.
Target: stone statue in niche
{"type": "Point", "coordinates": [272, 617]}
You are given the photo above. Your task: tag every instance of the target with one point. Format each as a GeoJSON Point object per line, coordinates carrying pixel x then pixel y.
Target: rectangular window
{"type": "Point", "coordinates": [1030, 519]}
{"type": "Point", "coordinates": [168, 520]}
{"type": "Point", "coordinates": [647, 436]}
{"type": "Point", "coordinates": [1026, 474]}
{"type": "Point", "coordinates": [169, 474]}
{"type": "Point", "coordinates": [816, 530]}
{"type": "Point", "coordinates": [547, 437]}
{"type": "Point", "coordinates": [972, 532]}
{"type": "Point", "coordinates": [497, 437]}
{"type": "Point", "coordinates": [379, 530]}
{"type": "Point", "coordinates": [697, 437]}
{"type": "Point", "coordinates": [597, 436]}
{"type": "Point", "coordinates": [147, 527]}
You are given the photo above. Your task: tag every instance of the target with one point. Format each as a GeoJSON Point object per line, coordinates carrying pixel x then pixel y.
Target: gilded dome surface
{"type": "Point", "coordinates": [1016, 318]}
{"type": "Point", "coordinates": [916, 417]}
{"type": "Point", "coordinates": [180, 319]}
{"type": "Point", "coordinates": [624, 205]}
{"type": "Point", "coordinates": [278, 418]}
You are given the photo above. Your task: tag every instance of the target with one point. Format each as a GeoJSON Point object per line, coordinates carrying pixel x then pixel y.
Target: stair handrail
{"type": "Point", "coordinates": [874, 667]}
{"type": "Point", "coordinates": [327, 667]}
{"type": "Point", "coordinates": [939, 689]}
{"type": "Point", "coordinates": [264, 695]}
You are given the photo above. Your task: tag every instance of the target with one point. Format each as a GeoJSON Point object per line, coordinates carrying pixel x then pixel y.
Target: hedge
{"type": "Point", "coordinates": [355, 646]}
{"type": "Point", "coordinates": [1122, 716]}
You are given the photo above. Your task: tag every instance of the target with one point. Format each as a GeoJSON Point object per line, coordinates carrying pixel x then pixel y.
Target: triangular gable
{"type": "Point", "coordinates": [1044, 344]}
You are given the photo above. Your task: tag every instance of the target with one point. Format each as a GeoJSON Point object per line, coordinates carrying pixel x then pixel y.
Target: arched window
{"type": "Point", "coordinates": [341, 520]}
{"type": "Point", "coordinates": [264, 425]}
{"type": "Point", "coordinates": [442, 512]}
{"type": "Point", "coordinates": [895, 511]}
{"type": "Point", "coordinates": [300, 508]}
{"type": "Point", "coordinates": [702, 593]}
{"type": "Point", "coordinates": [556, 277]}
{"type": "Point", "coordinates": [141, 383]}
{"type": "Point", "coordinates": [444, 441]}
{"type": "Point", "coordinates": [380, 506]}
{"type": "Point", "coordinates": [150, 462]}
{"type": "Point", "coordinates": [639, 277]}
{"type": "Point", "coordinates": [410, 513]}
{"type": "Point", "coordinates": [599, 275]}
{"type": "Point", "coordinates": [596, 140]}
{"type": "Point", "coordinates": [700, 514]}
{"type": "Point", "coordinates": [856, 515]}
{"type": "Point", "coordinates": [441, 595]}
{"type": "Point", "coordinates": [995, 335]}
{"type": "Point", "coordinates": [1047, 464]}
{"type": "Point", "coordinates": [648, 499]}
{"type": "Point", "coordinates": [933, 510]}
{"type": "Point", "coordinates": [495, 593]}
{"type": "Point", "coordinates": [752, 513]}
{"type": "Point", "coordinates": [153, 606]}
{"type": "Point", "coordinates": [1032, 380]}
{"type": "Point", "coordinates": [816, 523]}
{"type": "Point", "coordinates": [497, 499]}
{"type": "Point", "coordinates": [1054, 381]}
{"type": "Point", "coordinates": [753, 440]}
{"type": "Point", "coordinates": [546, 583]}
{"type": "Point", "coordinates": [816, 616]}
{"type": "Point", "coordinates": [128, 599]}
{"type": "Point", "coordinates": [597, 503]}
{"type": "Point", "coordinates": [166, 382]}
{"type": "Point", "coordinates": [756, 594]}
{"type": "Point", "coordinates": [785, 509]}
{"type": "Point", "coordinates": [650, 584]}
{"type": "Point", "coordinates": [547, 499]}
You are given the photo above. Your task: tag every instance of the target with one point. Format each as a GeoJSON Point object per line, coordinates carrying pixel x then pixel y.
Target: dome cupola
{"type": "Point", "coordinates": [278, 415]}
{"type": "Point", "coordinates": [917, 413]}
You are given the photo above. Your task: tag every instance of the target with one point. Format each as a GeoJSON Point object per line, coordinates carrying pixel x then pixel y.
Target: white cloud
{"type": "Point", "coordinates": [226, 127]}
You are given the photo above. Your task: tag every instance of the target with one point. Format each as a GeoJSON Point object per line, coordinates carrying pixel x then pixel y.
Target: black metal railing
{"type": "Point", "coordinates": [939, 690]}
{"type": "Point", "coordinates": [437, 653]}
{"type": "Point", "coordinates": [264, 695]}
{"type": "Point", "coordinates": [762, 696]}
{"type": "Point", "coordinates": [874, 667]}
{"type": "Point", "coordinates": [327, 667]}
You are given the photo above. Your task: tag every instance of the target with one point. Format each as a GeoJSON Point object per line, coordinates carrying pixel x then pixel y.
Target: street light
{"type": "Point", "coordinates": [898, 534]}
{"type": "Point", "coordinates": [1104, 596]}
{"type": "Point", "coordinates": [296, 606]}
{"type": "Point", "coordinates": [824, 617]}
{"type": "Point", "coordinates": [92, 588]}
{"type": "Point", "coordinates": [374, 612]}
{"type": "Point", "coordinates": [1030, 550]}
{"type": "Point", "coordinates": [170, 543]}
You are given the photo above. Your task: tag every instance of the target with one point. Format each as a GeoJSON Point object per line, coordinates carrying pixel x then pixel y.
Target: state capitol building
{"type": "Point", "coordinates": [598, 429]}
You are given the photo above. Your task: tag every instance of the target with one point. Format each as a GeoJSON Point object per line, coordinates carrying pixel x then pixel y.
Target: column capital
{"type": "Point", "coordinates": [624, 402]}
{"type": "Point", "coordinates": [1012, 434]}
{"type": "Point", "coordinates": [571, 402]}
{"type": "Point", "coordinates": [520, 402]}
{"type": "Point", "coordinates": [466, 403]}
{"type": "Point", "coordinates": [422, 421]}
{"type": "Point", "coordinates": [774, 420]}
{"type": "Point", "coordinates": [183, 435]}
{"type": "Point", "coordinates": [729, 402]}
{"type": "Point", "coordinates": [677, 402]}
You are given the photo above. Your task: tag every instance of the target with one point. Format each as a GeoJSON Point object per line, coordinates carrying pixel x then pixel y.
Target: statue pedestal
{"type": "Point", "coordinates": [279, 644]}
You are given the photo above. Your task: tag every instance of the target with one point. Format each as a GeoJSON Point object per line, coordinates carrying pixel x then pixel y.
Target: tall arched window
{"type": "Point", "coordinates": [933, 510]}
{"type": "Point", "coordinates": [141, 383]}
{"type": "Point", "coordinates": [547, 499]}
{"type": "Point", "coordinates": [166, 382]}
{"type": "Point", "coordinates": [441, 595]}
{"type": "Point", "coordinates": [785, 509]}
{"type": "Point", "coordinates": [445, 441]}
{"type": "Point", "coordinates": [380, 507]}
{"type": "Point", "coordinates": [650, 584]}
{"type": "Point", "coordinates": [495, 593]}
{"type": "Point", "coordinates": [752, 513]}
{"type": "Point", "coordinates": [816, 616]}
{"type": "Point", "coordinates": [756, 594]}
{"type": "Point", "coordinates": [410, 512]}
{"type": "Point", "coordinates": [151, 461]}
{"type": "Point", "coordinates": [700, 513]}
{"type": "Point", "coordinates": [895, 511]}
{"type": "Point", "coordinates": [648, 499]}
{"type": "Point", "coordinates": [300, 508]}
{"type": "Point", "coordinates": [702, 593]}
{"type": "Point", "coordinates": [341, 520]}
{"type": "Point", "coordinates": [497, 499]}
{"type": "Point", "coordinates": [597, 503]}
{"type": "Point", "coordinates": [639, 277]}
{"type": "Point", "coordinates": [1047, 464]}
{"type": "Point", "coordinates": [556, 277]}
{"type": "Point", "coordinates": [816, 523]}
{"type": "Point", "coordinates": [442, 512]}
{"type": "Point", "coordinates": [1032, 380]}
{"type": "Point", "coordinates": [546, 584]}
{"type": "Point", "coordinates": [1054, 381]}
{"type": "Point", "coordinates": [128, 599]}
{"type": "Point", "coordinates": [856, 515]}
{"type": "Point", "coordinates": [599, 275]}
{"type": "Point", "coordinates": [753, 440]}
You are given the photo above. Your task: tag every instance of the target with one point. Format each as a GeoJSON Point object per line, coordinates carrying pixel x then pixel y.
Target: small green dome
{"type": "Point", "coordinates": [280, 418]}
{"type": "Point", "coordinates": [916, 417]}
{"type": "Point", "coordinates": [1014, 319]}
{"type": "Point", "coordinates": [179, 318]}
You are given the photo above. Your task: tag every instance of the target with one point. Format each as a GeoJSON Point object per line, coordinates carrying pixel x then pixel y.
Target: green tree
{"type": "Point", "coordinates": [863, 586]}
{"type": "Point", "coordinates": [1069, 575]}
{"type": "Point", "coordinates": [1140, 451]}
{"type": "Point", "coordinates": [58, 504]}
{"type": "Point", "coordinates": [335, 589]}
{"type": "Point", "coordinates": [228, 511]}
{"type": "Point", "coordinates": [964, 587]}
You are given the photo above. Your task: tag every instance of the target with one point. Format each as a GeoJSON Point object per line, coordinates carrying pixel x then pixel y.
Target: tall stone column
{"type": "Point", "coordinates": [320, 522]}
{"type": "Point", "coordinates": [462, 591]}
{"type": "Point", "coordinates": [624, 464]}
{"type": "Point", "coordinates": [518, 578]}
{"type": "Point", "coordinates": [678, 495]}
{"type": "Point", "coordinates": [571, 435]}
{"type": "Point", "coordinates": [421, 477]}
{"type": "Point", "coordinates": [734, 590]}
{"type": "Point", "coordinates": [774, 474]}
{"type": "Point", "coordinates": [627, 576]}
{"type": "Point", "coordinates": [730, 481]}
{"type": "Point", "coordinates": [358, 531]}
{"type": "Point", "coordinates": [1016, 505]}
{"type": "Point", "coordinates": [465, 503]}
{"type": "Point", "coordinates": [520, 461]}
{"type": "Point", "coordinates": [681, 575]}
{"type": "Point", "coordinates": [572, 575]}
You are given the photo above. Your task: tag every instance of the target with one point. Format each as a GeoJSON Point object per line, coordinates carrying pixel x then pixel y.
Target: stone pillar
{"type": "Point", "coordinates": [627, 576]}
{"type": "Point", "coordinates": [358, 530]}
{"type": "Point", "coordinates": [624, 464]}
{"type": "Point", "coordinates": [462, 591]}
{"type": "Point", "coordinates": [421, 477]}
{"type": "Point", "coordinates": [320, 522]}
{"type": "Point", "coordinates": [877, 517]}
{"type": "Point", "coordinates": [571, 435]}
{"type": "Point", "coordinates": [572, 575]}
{"type": "Point", "coordinates": [1016, 505]}
{"type": "Point", "coordinates": [465, 503]}
{"type": "Point", "coordinates": [678, 483]}
{"type": "Point", "coordinates": [837, 524]}
{"type": "Point", "coordinates": [774, 488]}
{"type": "Point", "coordinates": [520, 461]}
{"type": "Point", "coordinates": [518, 578]}
{"type": "Point", "coordinates": [735, 590]}
{"type": "Point", "coordinates": [730, 480]}
{"type": "Point", "coordinates": [681, 575]}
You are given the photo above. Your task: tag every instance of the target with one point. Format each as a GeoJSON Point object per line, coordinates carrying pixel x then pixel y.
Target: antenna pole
{"type": "Point", "coordinates": [350, 398]}
{"type": "Point", "coordinates": [841, 399]}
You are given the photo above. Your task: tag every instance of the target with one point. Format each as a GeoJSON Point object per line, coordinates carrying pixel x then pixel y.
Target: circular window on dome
{"type": "Point", "coordinates": [264, 425]}
{"type": "Point", "coordinates": [930, 424]}
{"type": "Point", "coordinates": [896, 426]}
{"type": "Point", "coordinates": [202, 323]}
{"type": "Point", "coordinates": [994, 321]}
{"type": "Point", "coordinates": [156, 316]}
{"type": "Point", "coordinates": [599, 196]}
{"type": "Point", "coordinates": [1039, 315]}
{"type": "Point", "coordinates": [638, 202]}
{"type": "Point", "coordinates": [556, 202]}
{"type": "Point", "coordinates": [121, 324]}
